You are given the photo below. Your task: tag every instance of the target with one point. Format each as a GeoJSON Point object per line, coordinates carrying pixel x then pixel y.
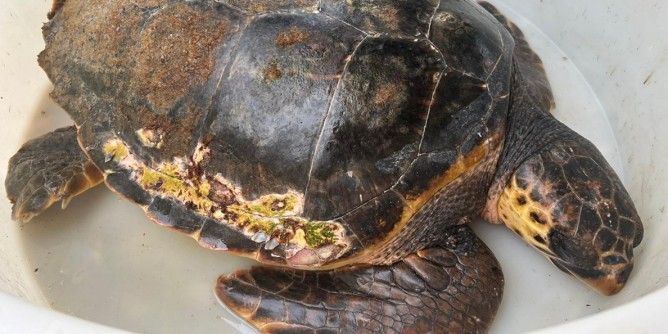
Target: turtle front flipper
{"type": "Point", "coordinates": [455, 287]}
{"type": "Point", "coordinates": [48, 169]}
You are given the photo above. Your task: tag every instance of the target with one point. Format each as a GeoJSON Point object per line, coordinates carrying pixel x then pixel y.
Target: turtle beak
{"type": "Point", "coordinates": [607, 285]}
{"type": "Point", "coordinates": [605, 272]}
{"type": "Point", "coordinates": [606, 281]}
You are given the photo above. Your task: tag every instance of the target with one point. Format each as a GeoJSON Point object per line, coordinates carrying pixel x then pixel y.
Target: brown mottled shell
{"type": "Point", "coordinates": [368, 109]}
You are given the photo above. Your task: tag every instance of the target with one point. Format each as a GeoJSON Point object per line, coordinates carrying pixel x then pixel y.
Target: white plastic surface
{"type": "Point", "coordinates": [20, 316]}
{"type": "Point", "coordinates": [618, 48]}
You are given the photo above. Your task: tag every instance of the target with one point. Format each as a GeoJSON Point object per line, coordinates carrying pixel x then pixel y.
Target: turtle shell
{"type": "Point", "coordinates": [269, 127]}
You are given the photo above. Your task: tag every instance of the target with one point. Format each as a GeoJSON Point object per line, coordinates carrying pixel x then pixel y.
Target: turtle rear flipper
{"type": "Point", "coordinates": [529, 63]}
{"type": "Point", "coordinates": [455, 287]}
{"type": "Point", "coordinates": [48, 169]}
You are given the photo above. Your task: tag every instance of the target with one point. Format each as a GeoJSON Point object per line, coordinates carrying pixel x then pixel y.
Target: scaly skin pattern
{"type": "Point", "coordinates": [48, 169]}
{"type": "Point", "coordinates": [453, 288]}
{"type": "Point", "coordinates": [584, 222]}
{"type": "Point", "coordinates": [555, 189]}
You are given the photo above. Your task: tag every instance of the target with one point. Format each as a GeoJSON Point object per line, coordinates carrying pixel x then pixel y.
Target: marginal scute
{"type": "Point", "coordinates": [184, 199]}
{"type": "Point", "coordinates": [375, 220]}
{"type": "Point", "coordinates": [168, 213]}
{"type": "Point", "coordinates": [528, 62]}
{"type": "Point", "coordinates": [470, 43]}
{"type": "Point", "coordinates": [213, 232]}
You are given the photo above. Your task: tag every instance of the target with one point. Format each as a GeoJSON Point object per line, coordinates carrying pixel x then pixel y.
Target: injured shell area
{"type": "Point", "coordinates": [272, 220]}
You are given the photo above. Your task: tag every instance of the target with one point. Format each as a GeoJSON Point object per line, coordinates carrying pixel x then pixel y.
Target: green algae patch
{"type": "Point", "coordinates": [251, 222]}
{"type": "Point", "coordinates": [273, 205]}
{"type": "Point", "coordinates": [319, 233]}
{"type": "Point", "coordinates": [278, 214]}
{"type": "Point", "coordinates": [273, 219]}
{"type": "Point", "coordinates": [115, 150]}
{"type": "Point", "coordinates": [168, 181]}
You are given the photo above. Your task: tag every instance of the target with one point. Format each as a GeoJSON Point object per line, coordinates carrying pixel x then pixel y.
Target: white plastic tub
{"type": "Point", "coordinates": [102, 260]}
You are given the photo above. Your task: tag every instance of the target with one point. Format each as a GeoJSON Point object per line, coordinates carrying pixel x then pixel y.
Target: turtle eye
{"type": "Point", "coordinates": [614, 259]}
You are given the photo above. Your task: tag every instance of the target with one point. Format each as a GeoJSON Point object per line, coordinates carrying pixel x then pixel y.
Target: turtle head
{"type": "Point", "coordinates": [567, 202]}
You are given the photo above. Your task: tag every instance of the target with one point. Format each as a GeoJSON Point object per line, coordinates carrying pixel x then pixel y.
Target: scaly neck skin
{"type": "Point", "coordinates": [530, 129]}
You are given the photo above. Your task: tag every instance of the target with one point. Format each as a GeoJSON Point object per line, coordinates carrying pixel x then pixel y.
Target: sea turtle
{"type": "Point", "coordinates": [344, 144]}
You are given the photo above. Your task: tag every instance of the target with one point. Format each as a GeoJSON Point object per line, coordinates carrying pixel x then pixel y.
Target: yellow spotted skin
{"type": "Point", "coordinates": [526, 217]}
